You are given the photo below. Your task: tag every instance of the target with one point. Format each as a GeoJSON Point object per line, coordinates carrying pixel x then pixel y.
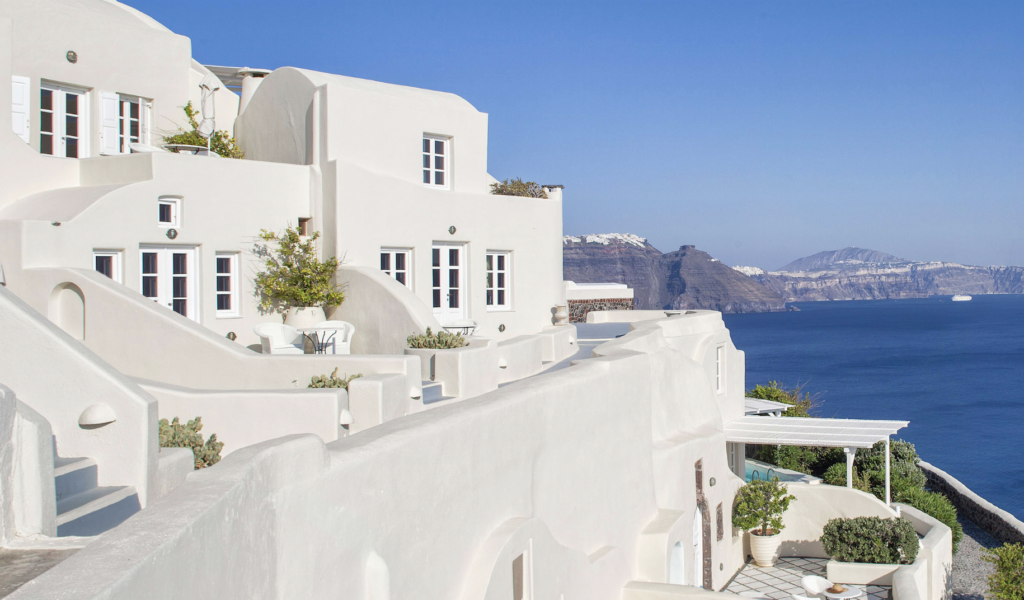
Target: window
{"type": "Point", "coordinates": [436, 160]}
{"type": "Point", "coordinates": [396, 263]}
{"type": "Point", "coordinates": [169, 212]}
{"type": "Point", "coordinates": [63, 122]}
{"type": "Point", "coordinates": [497, 281]}
{"type": "Point", "coordinates": [108, 263]}
{"type": "Point", "coordinates": [227, 284]}
{"type": "Point", "coordinates": [131, 123]}
{"type": "Point", "coordinates": [719, 369]}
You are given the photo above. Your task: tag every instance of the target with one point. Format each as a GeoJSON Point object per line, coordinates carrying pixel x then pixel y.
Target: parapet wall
{"type": "Point", "coordinates": [997, 522]}
{"type": "Point", "coordinates": [578, 309]}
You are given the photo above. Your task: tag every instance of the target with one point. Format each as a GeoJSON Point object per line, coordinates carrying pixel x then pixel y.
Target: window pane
{"type": "Point", "coordinates": [46, 144]}
{"type": "Point", "coordinates": [439, 162]}
{"type": "Point", "coordinates": [46, 122]}
{"type": "Point", "coordinates": [180, 307]}
{"type": "Point", "coordinates": [453, 298]}
{"type": "Point", "coordinates": [179, 264]}
{"type": "Point", "coordinates": [501, 280]}
{"type": "Point", "coordinates": [149, 262]}
{"type": "Point", "coordinates": [165, 213]}
{"type": "Point", "coordinates": [436, 257]}
{"type": "Point", "coordinates": [72, 148]}
{"type": "Point", "coordinates": [437, 298]}
{"type": "Point", "coordinates": [71, 126]}
{"type": "Point", "coordinates": [438, 147]}
{"type": "Point", "coordinates": [71, 104]}
{"type": "Point", "coordinates": [437, 278]}
{"type": "Point", "coordinates": [385, 261]}
{"type": "Point", "coordinates": [453, 278]}
{"type": "Point", "coordinates": [501, 297]}
{"type": "Point", "coordinates": [501, 262]}
{"type": "Point", "coordinates": [490, 262]}
{"type": "Point", "coordinates": [135, 129]}
{"type": "Point", "coordinates": [134, 109]}
{"type": "Point", "coordinates": [46, 99]}
{"type": "Point", "coordinates": [149, 287]}
{"type": "Point", "coordinates": [400, 277]}
{"type": "Point", "coordinates": [426, 145]}
{"type": "Point", "coordinates": [490, 280]}
{"type": "Point", "coordinates": [224, 302]}
{"type": "Point", "coordinates": [453, 257]}
{"type": "Point", "coordinates": [105, 265]}
{"type": "Point", "coordinates": [426, 176]}
{"type": "Point", "coordinates": [438, 177]}
{"type": "Point", "coordinates": [223, 265]}
{"type": "Point", "coordinates": [224, 283]}
{"type": "Point", "coordinates": [490, 298]}
{"type": "Point", "coordinates": [426, 161]}
{"type": "Point", "coordinates": [400, 261]}
{"type": "Point", "coordinates": [179, 287]}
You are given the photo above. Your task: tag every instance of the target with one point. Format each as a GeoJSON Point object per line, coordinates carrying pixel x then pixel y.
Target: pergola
{"type": "Point", "coordinates": [848, 434]}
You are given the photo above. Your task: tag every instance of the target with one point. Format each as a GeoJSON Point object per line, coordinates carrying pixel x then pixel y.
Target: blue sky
{"type": "Point", "coordinates": [759, 131]}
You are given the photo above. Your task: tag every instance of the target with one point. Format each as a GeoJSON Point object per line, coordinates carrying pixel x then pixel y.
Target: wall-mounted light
{"type": "Point", "coordinates": [72, 56]}
{"type": "Point", "coordinates": [451, 230]}
{"type": "Point", "coordinates": [172, 233]}
{"type": "Point", "coordinates": [712, 482]}
{"type": "Point", "coordinates": [231, 336]}
{"type": "Point", "coordinates": [501, 328]}
{"type": "Point", "coordinates": [55, 223]}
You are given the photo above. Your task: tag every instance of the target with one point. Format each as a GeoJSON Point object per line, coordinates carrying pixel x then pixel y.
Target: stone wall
{"type": "Point", "coordinates": [578, 309]}
{"type": "Point", "coordinates": [997, 522]}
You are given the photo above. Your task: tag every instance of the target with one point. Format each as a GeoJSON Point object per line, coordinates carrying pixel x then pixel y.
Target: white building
{"type": "Point", "coordinates": [128, 298]}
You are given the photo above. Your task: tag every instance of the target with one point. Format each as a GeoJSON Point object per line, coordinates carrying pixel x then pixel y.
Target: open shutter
{"type": "Point", "coordinates": [20, 94]}
{"type": "Point", "coordinates": [108, 123]}
{"type": "Point", "coordinates": [146, 116]}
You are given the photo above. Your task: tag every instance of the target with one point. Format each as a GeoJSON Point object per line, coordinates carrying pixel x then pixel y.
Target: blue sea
{"type": "Point", "coordinates": [955, 370]}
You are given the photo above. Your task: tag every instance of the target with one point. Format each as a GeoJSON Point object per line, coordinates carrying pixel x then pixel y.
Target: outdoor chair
{"type": "Point", "coordinates": [799, 597]}
{"type": "Point", "coordinates": [341, 343]}
{"type": "Point", "coordinates": [815, 586]}
{"type": "Point", "coordinates": [278, 338]}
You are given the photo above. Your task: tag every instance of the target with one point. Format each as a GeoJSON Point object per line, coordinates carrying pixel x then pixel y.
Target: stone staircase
{"type": "Point", "coordinates": [83, 507]}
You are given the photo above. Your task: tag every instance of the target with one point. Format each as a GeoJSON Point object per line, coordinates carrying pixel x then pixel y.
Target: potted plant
{"type": "Point", "coordinates": [759, 508]}
{"type": "Point", "coordinates": [294, 280]}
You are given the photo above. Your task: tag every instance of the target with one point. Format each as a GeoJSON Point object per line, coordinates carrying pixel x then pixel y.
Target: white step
{"type": "Point", "coordinates": [73, 476]}
{"type": "Point", "coordinates": [96, 510]}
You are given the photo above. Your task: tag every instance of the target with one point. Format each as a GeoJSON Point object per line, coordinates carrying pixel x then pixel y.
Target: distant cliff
{"type": "Point", "coordinates": [861, 274]}
{"type": "Point", "coordinates": [685, 279]}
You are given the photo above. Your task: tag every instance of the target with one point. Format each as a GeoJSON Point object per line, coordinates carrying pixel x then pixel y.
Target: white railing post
{"type": "Point", "coordinates": [850, 453]}
{"type": "Point", "coordinates": [888, 498]}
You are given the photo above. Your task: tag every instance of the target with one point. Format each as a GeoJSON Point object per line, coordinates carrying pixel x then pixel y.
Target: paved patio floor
{"type": "Point", "coordinates": [782, 581]}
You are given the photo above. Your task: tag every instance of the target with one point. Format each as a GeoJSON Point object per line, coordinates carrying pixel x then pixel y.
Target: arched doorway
{"type": "Point", "coordinates": [67, 309]}
{"type": "Point", "coordinates": [677, 565]}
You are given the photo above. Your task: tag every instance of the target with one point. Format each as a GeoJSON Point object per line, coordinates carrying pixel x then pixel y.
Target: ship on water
{"type": "Point", "coordinates": [961, 298]}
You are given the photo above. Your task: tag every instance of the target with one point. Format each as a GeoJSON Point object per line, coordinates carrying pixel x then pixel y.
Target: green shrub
{"type": "Point", "coordinates": [220, 142]}
{"type": "Point", "coordinates": [176, 435]}
{"type": "Point", "coordinates": [518, 187]}
{"type": "Point", "coordinates": [836, 475]}
{"type": "Point", "coordinates": [1007, 583]}
{"type": "Point", "coordinates": [760, 505]}
{"type": "Point", "coordinates": [801, 406]}
{"type": "Point", "coordinates": [293, 274]}
{"type": "Point", "coordinates": [443, 340]}
{"type": "Point", "coordinates": [935, 505]}
{"type": "Point", "coordinates": [332, 381]}
{"type": "Point", "coordinates": [871, 540]}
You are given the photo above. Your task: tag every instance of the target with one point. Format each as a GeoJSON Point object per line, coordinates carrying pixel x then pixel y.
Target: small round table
{"type": "Point", "coordinates": [319, 336]}
{"type": "Point", "coordinates": [852, 591]}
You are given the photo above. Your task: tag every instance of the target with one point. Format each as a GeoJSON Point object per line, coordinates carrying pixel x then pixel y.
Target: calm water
{"type": "Point", "coordinates": [955, 370]}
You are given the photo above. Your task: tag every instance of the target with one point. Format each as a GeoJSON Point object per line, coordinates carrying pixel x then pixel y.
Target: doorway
{"type": "Point", "coordinates": [168, 277]}
{"type": "Point", "coordinates": [448, 282]}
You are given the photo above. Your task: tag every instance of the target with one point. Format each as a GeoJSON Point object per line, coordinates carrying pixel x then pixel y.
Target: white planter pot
{"type": "Point", "coordinates": [304, 316]}
{"type": "Point", "coordinates": [765, 548]}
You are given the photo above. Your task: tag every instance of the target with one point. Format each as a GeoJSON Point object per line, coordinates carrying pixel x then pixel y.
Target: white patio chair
{"type": "Point", "coordinates": [341, 343]}
{"type": "Point", "coordinates": [278, 338]}
{"type": "Point", "coordinates": [799, 597]}
{"type": "Point", "coordinates": [815, 586]}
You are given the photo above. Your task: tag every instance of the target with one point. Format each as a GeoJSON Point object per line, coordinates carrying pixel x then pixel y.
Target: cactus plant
{"type": "Point", "coordinates": [441, 341]}
{"type": "Point", "coordinates": [176, 435]}
{"type": "Point", "coordinates": [332, 381]}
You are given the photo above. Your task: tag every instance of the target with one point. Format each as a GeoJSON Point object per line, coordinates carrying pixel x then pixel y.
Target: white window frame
{"type": "Point", "coordinates": [234, 293]}
{"type": "Point", "coordinates": [116, 262]}
{"type": "Point", "coordinates": [392, 270]}
{"type": "Point", "coordinates": [124, 103]}
{"type": "Point", "coordinates": [175, 204]}
{"type": "Point", "coordinates": [720, 369]}
{"type": "Point", "coordinates": [430, 155]}
{"type": "Point", "coordinates": [491, 287]}
{"type": "Point", "coordinates": [59, 121]}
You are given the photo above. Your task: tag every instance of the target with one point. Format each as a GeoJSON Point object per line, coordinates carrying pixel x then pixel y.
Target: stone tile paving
{"type": "Point", "coordinates": [18, 567]}
{"type": "Point", "coordinates": [782, 581]}
{"type": "Point", "coordinates": [970, 573]}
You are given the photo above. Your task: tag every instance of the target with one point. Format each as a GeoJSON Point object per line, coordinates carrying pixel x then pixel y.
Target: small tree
{"type": "Point", "coordinates": [518, 187]}
{"type": "Point", "coordinates": [801, 406]}
{"type": "Point", "coordinates": [1007, 583]}
{"type": "Point", "coordinates": [220, 142]}
{"type": "Point", "coordinates": [760, 505]}
{"type": "Point", "coordinates": [293, 274]}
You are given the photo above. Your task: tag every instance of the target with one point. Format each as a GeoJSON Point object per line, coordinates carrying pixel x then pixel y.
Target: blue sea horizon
{"type": "Point", "coordinates": [955, 370]}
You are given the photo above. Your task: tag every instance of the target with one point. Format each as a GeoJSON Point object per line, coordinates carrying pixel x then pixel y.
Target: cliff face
{"type": "Point", "coordinates": [859, 274]}
{"type": "Point", "coordinates": [685, 279]}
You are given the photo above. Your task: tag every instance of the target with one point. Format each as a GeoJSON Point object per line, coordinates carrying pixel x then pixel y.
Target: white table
{"type": "Point", "coordinates": [852, 591]}
{"type": "Point", "coordinates": [319, 335]}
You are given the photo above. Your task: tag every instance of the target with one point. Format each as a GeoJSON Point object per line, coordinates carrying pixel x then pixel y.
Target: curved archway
{"type": "Point", "coordinates": [67, 309]}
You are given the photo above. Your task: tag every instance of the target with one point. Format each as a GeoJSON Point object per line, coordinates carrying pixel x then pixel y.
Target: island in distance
{"type": "Point", "coordinates": [690, 278]}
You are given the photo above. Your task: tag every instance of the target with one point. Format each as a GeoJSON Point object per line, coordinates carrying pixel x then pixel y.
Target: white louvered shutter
{"type": "Point", "coordinates": [108, 123]}
{"type": "Point", "coordinates": [20, 94]}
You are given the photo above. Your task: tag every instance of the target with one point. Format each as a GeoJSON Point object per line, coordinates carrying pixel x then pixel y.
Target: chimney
{"type": "Point", "coordinates": [251, 79]}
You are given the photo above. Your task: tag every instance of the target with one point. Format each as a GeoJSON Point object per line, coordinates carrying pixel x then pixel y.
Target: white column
{"type": "Point", "coordinates": [888, 498]}
{"type": "Point", "coordinates": [850, 453]}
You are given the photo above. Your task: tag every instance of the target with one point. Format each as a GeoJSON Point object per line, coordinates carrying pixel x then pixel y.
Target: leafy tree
{"type": "Point", "coordinates": [1007, 583]}
{"type": "Point", "coordinates": [801, 406]}
{"type": "Point", "coordinates": [518, 187]}
{"type": "Point", "coordinates": [220, 142]}
{"type": "Point", "coordinates": [760, 505]}
{"type": "Point", "coordinates": [293, 274]}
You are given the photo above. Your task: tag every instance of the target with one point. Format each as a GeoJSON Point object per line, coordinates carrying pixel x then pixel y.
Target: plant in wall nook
{"type": "Point", "coordinates": [871, 540]}
{"type": "Point", "coordinates": [220, 142]}
{"type": "Point", "coordinates": [332, 381]}
{"type": "Point", "coordinates": [518, 187]}
{"type": "Point", "coordinates": [441, 341]}
{"type": "Point", "coordinates": [294, 277]}
{"type": "Point", "coordinates": [176, 435]}
{"type": "Point", "coordinates": [758, 509]}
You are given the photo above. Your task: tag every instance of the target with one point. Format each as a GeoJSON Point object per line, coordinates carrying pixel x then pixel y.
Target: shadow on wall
{"type": "Point", "coordinates": [67, 309]}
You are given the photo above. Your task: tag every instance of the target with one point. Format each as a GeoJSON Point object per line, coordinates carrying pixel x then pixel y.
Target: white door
{"type": "Point", "coordinates": [448, 282]}
{"type": "Point", "coordinates": [62, 122]}
{"type": "Point", "coordinates": [676, 568]}
{"type": "Point", "coordinates": [698, 549]}
{"type": "Point", "coordinates": [168, 277]}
